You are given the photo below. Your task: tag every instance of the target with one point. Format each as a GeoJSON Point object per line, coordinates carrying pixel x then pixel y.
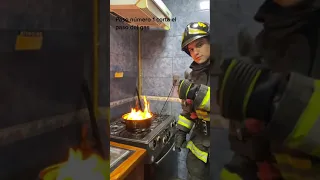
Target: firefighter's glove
{"type": "Point", "coordinates": [246, 90]}
{"type": "Point", "coordinates": [180, 139]}
{"type": "Point", "coordinates": [187, 89]}
{"type": "Point", "coordinates": [187, 106]}
{"type": "Point", "coordinates": [188, 109]}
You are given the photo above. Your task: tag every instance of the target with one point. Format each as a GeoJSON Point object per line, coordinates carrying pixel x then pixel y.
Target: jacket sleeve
{"type": "Point", "coordinates": [295, 121]}
{"type": "Point", "coordinates": [198, 93]}
{"type": "Point", "coordinates": [184, 123]}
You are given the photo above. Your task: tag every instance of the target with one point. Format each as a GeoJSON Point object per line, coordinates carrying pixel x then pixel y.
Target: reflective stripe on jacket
{"type": "Point", "coordinates": [296, 168]}
{"type": "Point", "coordinates": [204, 115]}
{"type": "Point", "coordinates": [296, 119]}
{"type": "Point", "coordinates": [202, 99]}
{"type": "Point", "coordinates": [184, 124]}
{"type": "Point", "coordinates": [227, 175]}
{"type": "Point", "coordinates": [202, 155]}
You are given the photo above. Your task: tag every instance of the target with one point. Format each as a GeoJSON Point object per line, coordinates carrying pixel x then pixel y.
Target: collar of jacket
{"type": "Point", "coordinates": [200, 67]}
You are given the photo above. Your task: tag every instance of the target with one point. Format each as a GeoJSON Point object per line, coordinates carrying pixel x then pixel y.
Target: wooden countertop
{"type": "Point", "coordinates": [128, 165]}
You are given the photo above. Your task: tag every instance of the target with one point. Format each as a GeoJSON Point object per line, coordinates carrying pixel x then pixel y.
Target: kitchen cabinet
{"type": "Point", "coordinates": [126, 162]}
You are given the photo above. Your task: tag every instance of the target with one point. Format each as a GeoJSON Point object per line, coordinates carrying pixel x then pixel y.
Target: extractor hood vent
{"type": "Point", "coordinates": [152, 13]}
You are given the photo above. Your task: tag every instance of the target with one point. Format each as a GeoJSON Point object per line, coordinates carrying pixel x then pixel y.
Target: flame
{"type": "Point", "coordinates": [78, 168]}
{"type": "Point", "coordinates": [137, 114]}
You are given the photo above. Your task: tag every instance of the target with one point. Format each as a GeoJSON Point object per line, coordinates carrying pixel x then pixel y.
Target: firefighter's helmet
{"type": "Point", "coordinates": [192, 32]}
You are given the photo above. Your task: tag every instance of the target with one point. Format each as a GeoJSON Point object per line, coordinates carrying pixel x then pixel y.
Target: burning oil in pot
{"type": "Point", "coordinates": [137, 120]}
{"type": "Point", "coordinates": [137, 114]}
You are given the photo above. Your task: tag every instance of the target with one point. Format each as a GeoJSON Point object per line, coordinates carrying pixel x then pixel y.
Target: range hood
{"type": "Point", "coordinates": [151, 13]}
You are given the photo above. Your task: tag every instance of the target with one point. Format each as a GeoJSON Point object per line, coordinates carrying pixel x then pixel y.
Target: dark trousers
{"type": "Point", "coordinates": [197, 169]}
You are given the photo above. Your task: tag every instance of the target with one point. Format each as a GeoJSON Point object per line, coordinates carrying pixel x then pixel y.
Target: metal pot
{"type": "Point", "coordinates": [137, 125]}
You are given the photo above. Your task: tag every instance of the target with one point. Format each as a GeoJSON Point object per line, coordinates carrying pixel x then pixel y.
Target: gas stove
{"type": "Point", "coordinates": [157, 140]}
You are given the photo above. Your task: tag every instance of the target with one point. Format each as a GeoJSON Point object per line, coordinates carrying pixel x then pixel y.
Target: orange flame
{"type": "Point", "coordinates": [138, 114]}
{"type": "Point", "coordinates": [78, 168]}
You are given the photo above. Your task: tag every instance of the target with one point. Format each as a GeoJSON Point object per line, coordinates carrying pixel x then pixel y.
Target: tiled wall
{"type": "Point", "coordinates": [161, 53]}
{"type": "Point", "coordinates": [44, 83]}
{"type": "Point", "coordinates": [123, 58]}
{"type": "Point", "coordinates": [229, 17]}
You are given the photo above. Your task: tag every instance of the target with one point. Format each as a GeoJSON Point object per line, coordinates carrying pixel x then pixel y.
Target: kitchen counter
{"type": "Point", "coordinates": [126, 161]}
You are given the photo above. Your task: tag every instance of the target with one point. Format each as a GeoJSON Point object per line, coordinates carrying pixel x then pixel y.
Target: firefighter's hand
{"type": "Point", "coordinates": [246, 90]}
{"type": "Point", "coordinates": [186, 107]}
{"type": "Point", "coordinates": [187, 89]}
{"type": "Point", "coordinates": [179, 140]}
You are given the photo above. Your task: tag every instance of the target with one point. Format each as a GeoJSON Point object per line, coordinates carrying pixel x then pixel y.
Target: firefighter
{"type": "Point", "coordinates": [196, 43]}
{"type": "Point", "coordinates": [273, 106]}
{"type": "Point", "coordinates": [273, 111]}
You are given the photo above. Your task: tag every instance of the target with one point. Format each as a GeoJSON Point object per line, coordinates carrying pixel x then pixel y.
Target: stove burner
{"type": "Point", "coordinates": [134, 135]}
{"type": "Point", "coordinates": [116, 127]}
{"type": "Point", "coordinates": [153, 125]}
{"type": "Point", "coordinates": [138, 131]}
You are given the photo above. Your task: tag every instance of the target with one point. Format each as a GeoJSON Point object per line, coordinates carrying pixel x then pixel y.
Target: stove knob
{"type": "Point", "coordinates": [168, 134]}
{"type": "Point", "coordinates": [164, 139]}
{"type": "Point", "coordinates": [158, 138]}
{"type": "Point", "coordinates": [152, 158]}
{"type": "Point", "coordinates": [153, 144]}
{"type": "Point", "coordinates": [172, 124]}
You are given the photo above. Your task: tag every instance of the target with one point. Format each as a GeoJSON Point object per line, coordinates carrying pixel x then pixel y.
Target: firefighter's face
{"type": "Point", "coordinates": [199, 50]}
{"type": "Point", "coordinates": [287, 3]}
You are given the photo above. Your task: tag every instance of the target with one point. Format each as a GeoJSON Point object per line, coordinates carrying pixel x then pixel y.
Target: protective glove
{"type": "Point", "coordinates": [184, 86]}
{"type": "Point", "coordinates": [247, 90]}
{"type": "Point", "coordinates": [187, 106]}
{"type": "Point", "coordinates": [180, 140]}
{"type": "Point", "coordinates": [187, 109]}
{"type": "Point", "coordinates": [187, 98]}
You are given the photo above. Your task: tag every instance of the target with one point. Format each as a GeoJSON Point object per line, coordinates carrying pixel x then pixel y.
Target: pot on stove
{"type": "Point", "coordinates": [138, 120]}
{"type": "Point", "coordinates": [137, 125]}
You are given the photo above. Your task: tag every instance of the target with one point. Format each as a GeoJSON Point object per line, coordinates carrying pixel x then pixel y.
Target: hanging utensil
{"type": "Point", "coordinates": [139, 99]}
